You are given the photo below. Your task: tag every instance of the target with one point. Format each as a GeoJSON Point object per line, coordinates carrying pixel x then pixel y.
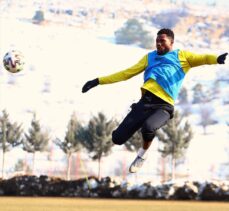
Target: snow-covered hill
{"type": "Point", "coordinates": [60, 58]}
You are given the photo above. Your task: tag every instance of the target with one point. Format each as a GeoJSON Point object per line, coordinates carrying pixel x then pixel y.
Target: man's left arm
{"type": "Point", "coordinates": [195, 60]}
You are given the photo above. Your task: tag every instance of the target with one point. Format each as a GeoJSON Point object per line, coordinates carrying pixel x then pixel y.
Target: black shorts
{"type": "Point", "coordinates": [149, 113]}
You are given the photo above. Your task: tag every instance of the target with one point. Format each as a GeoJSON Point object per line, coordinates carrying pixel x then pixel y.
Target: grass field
{"type": "Point", "coordinates": [75, 204]}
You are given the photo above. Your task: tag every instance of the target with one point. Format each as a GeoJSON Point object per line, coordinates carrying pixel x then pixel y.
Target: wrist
{"type": "Point", "coordinates": [219, 60]}
{"type": "Point", "coordinates": [95, 82]}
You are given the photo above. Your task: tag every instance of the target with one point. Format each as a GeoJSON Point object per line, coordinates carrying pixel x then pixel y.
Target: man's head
{"type": "Point", "coordinates": [164, 41]}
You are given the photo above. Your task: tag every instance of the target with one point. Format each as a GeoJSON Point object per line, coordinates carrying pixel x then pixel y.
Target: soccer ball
{"type": "Point", "coordinates": [13, 61]}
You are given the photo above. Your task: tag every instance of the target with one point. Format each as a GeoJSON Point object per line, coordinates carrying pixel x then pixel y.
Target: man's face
{"type": "Point", "coordinates": [164, 44]}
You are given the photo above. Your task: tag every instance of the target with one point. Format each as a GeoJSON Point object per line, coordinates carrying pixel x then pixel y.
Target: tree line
{"type": "Point", "coordinates": [95, 137]}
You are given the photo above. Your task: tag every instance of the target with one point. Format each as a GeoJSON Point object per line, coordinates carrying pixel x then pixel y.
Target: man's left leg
{"type": "Point", "coordinates": [150, 126]}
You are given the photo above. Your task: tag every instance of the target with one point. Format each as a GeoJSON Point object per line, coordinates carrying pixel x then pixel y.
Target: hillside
{"type": "Point", "coordinates": [76, 43]}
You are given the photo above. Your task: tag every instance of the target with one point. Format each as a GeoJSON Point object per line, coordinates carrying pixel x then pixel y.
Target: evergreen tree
{"type": "Point", "coordinates": [135, 142]}
{"type": "Point", "coordinates": [71, 142]}
{"type": "Point", "coordinates": [10, 136]}
{"type": "Point", "coordinates": [36, 140]}
{"type": "Point", "coordinates": [22, 166]}
{"type": "Point", "coordinates": [133, 33]}
{"type": "Point", "coordinates": [175, 137]}
{"type": "Point", "coordinates": [96, 137]}
{"type": "Point", "coordinates": [38, 17]}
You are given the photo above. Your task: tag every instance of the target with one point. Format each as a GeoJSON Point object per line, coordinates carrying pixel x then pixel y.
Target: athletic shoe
{"type": "Point", "coordinates": [136, 165]}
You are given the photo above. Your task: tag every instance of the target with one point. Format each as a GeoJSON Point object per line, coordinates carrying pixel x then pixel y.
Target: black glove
{"type": "Point", "coordinates": [221, 58]}
{"type": "Point", "coordinates": [90, 84]}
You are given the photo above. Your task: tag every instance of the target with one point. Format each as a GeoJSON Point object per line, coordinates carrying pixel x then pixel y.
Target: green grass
{"type": "Point", "coordinates": [76, 204]}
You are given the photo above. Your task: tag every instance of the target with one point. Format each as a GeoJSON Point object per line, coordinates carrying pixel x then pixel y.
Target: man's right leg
{"type": "Point", "coordinates": [141, 156]}
{"type": "Point", "coordinates": [131, 123]}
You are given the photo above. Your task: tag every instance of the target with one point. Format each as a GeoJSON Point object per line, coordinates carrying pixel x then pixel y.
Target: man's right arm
{"type": "Point", "coordinates": [125, 74]}
{"type": "Point", "coordinates": [119, 76]}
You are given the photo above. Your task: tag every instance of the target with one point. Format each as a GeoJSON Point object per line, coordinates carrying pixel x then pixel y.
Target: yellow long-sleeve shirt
{"type": "Point", "coordinates": [187, 61]}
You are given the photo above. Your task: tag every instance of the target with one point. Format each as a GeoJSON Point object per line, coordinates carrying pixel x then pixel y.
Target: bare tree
{"type": "Point", "coordinates": [183, 96]}
{"type": "Point", "coordinates": [199, 95]}
{"type": "Point", "coordinates": [206, 117]}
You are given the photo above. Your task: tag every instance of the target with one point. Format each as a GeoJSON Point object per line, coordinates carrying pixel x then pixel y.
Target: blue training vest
{"type": "Point", "coordinates": [166, 70]}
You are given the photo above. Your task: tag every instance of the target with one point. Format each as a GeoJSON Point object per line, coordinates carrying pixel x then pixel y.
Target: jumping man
{"type": "Point", "coordinates": [164, 70]}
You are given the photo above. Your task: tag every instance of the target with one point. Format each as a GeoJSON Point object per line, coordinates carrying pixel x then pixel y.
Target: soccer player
{"type": "Point", "coordinates": [164, 70]}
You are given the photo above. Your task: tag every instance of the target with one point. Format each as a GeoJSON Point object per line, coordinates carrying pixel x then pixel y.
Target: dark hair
{"type": "Point", "coordinates": [168, 32]}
